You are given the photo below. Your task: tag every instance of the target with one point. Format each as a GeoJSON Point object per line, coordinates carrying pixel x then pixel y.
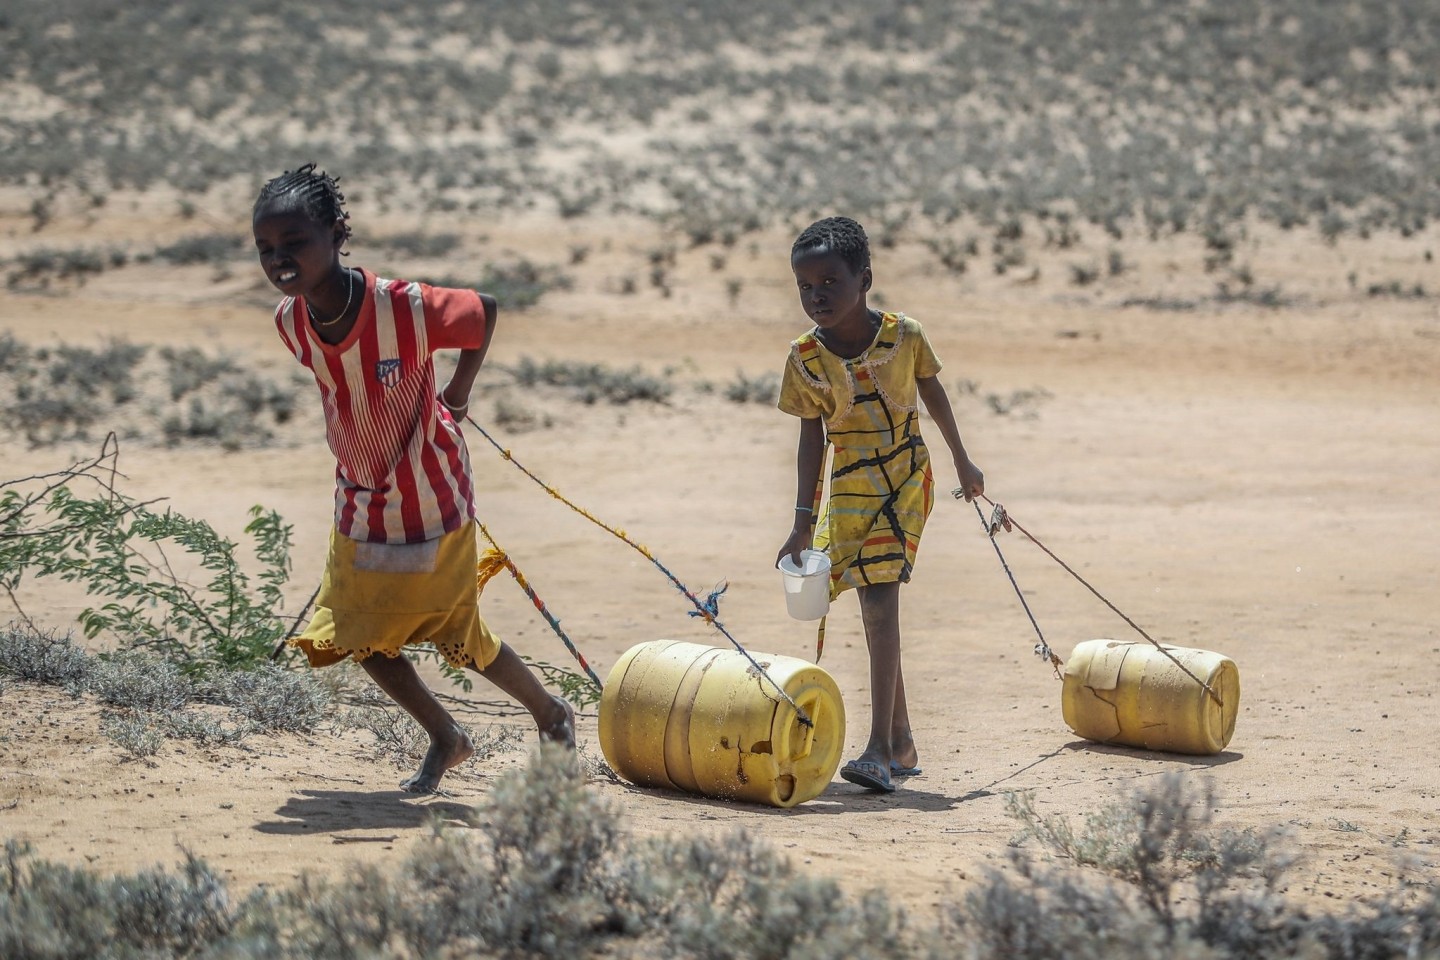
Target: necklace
{"type": "Point", "coordinates": [349, 296]}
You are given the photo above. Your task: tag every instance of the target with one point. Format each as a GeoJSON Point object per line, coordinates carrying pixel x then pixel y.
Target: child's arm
{"type": "Point", "coordinates": [808, 454]}
{"type": "Point", "coordinates": [467, 366]}
{"type": "Point", "coordinates": [937, 403]}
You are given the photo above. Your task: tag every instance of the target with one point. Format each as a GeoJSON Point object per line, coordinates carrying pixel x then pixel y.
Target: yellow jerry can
{"type": "Point", "coordinates": [1131, 693]}
{"type": "Point", "coordinates": [703, 720]}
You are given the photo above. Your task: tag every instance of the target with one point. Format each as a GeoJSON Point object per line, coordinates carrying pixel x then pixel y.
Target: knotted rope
{"type": "Point", "coordinates": [992, 526]}
{"type": "Point", "coordinates": [1000, 518]}
{"type": "Point", "coordinates": [707, 610]}
{"type": "Point", "coordinates": [491, 562]}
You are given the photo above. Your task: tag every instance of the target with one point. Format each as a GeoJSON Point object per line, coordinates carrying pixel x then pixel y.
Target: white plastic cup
{"type": "Point", "coordinates": [807, 586]}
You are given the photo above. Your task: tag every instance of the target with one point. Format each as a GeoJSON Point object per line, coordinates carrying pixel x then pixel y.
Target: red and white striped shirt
{"type": "Point", "coordinates": [402, 473]}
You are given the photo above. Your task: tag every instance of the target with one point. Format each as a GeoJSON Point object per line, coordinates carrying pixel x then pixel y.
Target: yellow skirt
{"type": "Point", "coordinates": [381, 597]}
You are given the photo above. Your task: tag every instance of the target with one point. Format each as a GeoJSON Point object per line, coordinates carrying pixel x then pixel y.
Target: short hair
{"type": "Point", "coordinates": [316, 194]}
{"type": "Point", "coordinates": [839, 235]}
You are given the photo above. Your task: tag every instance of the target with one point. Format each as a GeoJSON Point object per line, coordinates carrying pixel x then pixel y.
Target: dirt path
{"type": "Point", "coordinates": [1254, 481]}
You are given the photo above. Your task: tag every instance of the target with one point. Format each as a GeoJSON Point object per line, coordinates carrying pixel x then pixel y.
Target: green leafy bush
{"type": "Point", "coordinates": [117, 549]}
{"type": "Point", "coordinates": [573, 685]}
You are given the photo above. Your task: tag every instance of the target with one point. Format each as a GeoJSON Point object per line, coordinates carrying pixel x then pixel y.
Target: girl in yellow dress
{"type": "Point", "coordinates": [854, 380]}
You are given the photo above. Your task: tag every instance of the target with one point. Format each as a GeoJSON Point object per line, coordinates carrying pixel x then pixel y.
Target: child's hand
{"type": "Point", "coordinates": [457, 411]}
{"type": "Point", "coordinates": [798, 540]}
{"type": "Point", "coordinates": [972, 481]}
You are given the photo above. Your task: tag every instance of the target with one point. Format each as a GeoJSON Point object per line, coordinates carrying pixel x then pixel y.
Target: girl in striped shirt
{"type": "Point", "coordinates": [402, 557]}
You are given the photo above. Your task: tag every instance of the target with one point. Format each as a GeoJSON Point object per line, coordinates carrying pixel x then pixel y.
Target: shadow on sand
{"type": "Point", "coordinates": [1138, 753]}
{"type": "Point", "coordinates": [839, 797]}
{"type": "Point", "coordinates": [335, 811]}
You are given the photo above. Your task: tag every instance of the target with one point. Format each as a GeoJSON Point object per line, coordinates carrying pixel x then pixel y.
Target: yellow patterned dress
{"type": "Point", "coordinates": [881, 489]}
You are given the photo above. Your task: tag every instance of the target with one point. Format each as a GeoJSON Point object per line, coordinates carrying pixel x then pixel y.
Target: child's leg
{"type": "Point", "coordinates": [553, 715]}
{"type": "Point", "coordinates": [880, 612]}
{"type": "Point", "coordinates": [902, 743]}
{"type": "Point", "coordinates": [882, 621]}
{"type": "Point", "coordinates": [449, 746]}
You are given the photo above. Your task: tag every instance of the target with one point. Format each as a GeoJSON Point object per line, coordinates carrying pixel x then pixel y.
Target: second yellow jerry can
{"type": "Point", "coordinates": [1132, 693]}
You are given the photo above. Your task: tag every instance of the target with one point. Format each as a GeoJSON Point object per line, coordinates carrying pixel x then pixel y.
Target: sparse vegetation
{"type": "Point", "coordinates": [550, 871]}
{"type": "Point", "coordinates": [592, 382]}
{"type": "Point", "coordinates": [150, 700]}
{"type": "Point", "coordinates": [421, 244]}
{"type": "Point", "coordinates": [574, 686]}
{"type": "Point", "coordinates": [764, 388]}
{"type": "Point", "coordinates": [210, 248]}
{"type": "Point", "coordinates": [515, 286]}
{"type": "Point", "coordinates": [139, 681]}
{"type": "Point", "coordinates": [140, 562]}
{"type": "Point", "coordinates": [1009, 137]}
{"type": "Point", "coordinates": [27, 654]}
{"type": "Point", "coordinates": [1397, 289]}
{"type": "Point", "coordinates": [1022, 404]}
{"type": "Point", "coordinates": [167, 396]}
{"type": "Point", "coordinates": [1172, 884]}
{"type": "Point", "coordinates": [37, 269]}
{"type": "Point", "coordinates": [137, 734]}
{"type": "Point", "coordinates": [268, 697]}
{"type": "Point", "coordinates": [1138, 122]}
{"type": "Point", "coordinates": [517, 417]}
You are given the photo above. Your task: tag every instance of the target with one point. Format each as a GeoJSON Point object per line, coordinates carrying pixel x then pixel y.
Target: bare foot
{"type": "Point", "coordinates": [560, 727]}
{"type": "Point", "coordinates": [445, 752]}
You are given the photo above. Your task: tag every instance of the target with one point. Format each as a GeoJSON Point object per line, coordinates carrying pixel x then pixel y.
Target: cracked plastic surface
{"type": "Point", "coordinates": [1130, 693]}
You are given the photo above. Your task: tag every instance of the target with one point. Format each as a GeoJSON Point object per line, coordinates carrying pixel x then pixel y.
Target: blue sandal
{"type": "Point", "coordinates": [868, 774]}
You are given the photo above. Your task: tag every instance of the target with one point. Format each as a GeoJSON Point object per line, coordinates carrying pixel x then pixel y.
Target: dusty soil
{"type": "Point", "coordinates": [1256, 481]}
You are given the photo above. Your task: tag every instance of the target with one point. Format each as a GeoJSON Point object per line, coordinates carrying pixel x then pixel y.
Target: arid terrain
{"type": "Point", "coordinates": [1251, 480]}
{"type": "Point", "coordinates": [1229, 425]}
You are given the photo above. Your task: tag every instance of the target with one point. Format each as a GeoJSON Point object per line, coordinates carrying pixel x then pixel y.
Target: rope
{"type": "Point", "coordinates": [1001, 517]}
{"type": "Point", "coordinates": [706, 610]}
{"type": "Point", "coordinates": [490, 563]}
{"type": "Point", "coordinates": [815, 504]}
{"type": "Point", "coordinates": [294, 626]}
{"type": "Point", "coordinates": [1042, 649]}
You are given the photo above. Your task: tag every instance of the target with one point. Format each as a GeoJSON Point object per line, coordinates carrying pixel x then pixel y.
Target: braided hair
{"type": "Point", "coordinates": [316, 194]}
{"type": "Point", "coordinates": [837, 235]}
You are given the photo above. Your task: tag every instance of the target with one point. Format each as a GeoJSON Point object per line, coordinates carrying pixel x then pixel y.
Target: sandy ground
{"type": "Point", "coordinates": [1260, 482]}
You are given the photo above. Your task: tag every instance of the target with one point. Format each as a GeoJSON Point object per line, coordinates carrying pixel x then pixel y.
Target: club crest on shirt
{"type": "Point", "coordinates": [387, 372]}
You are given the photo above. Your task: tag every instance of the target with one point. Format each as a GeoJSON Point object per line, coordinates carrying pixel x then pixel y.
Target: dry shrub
{"type": "Point", "coordinates": [548, 871]}
{"type": "Point", "coordinates": [271, 697]}
{"type": "Point", "coordinates": [28, 654]}
{"type": "Point", "coordinates": [49, 910]}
